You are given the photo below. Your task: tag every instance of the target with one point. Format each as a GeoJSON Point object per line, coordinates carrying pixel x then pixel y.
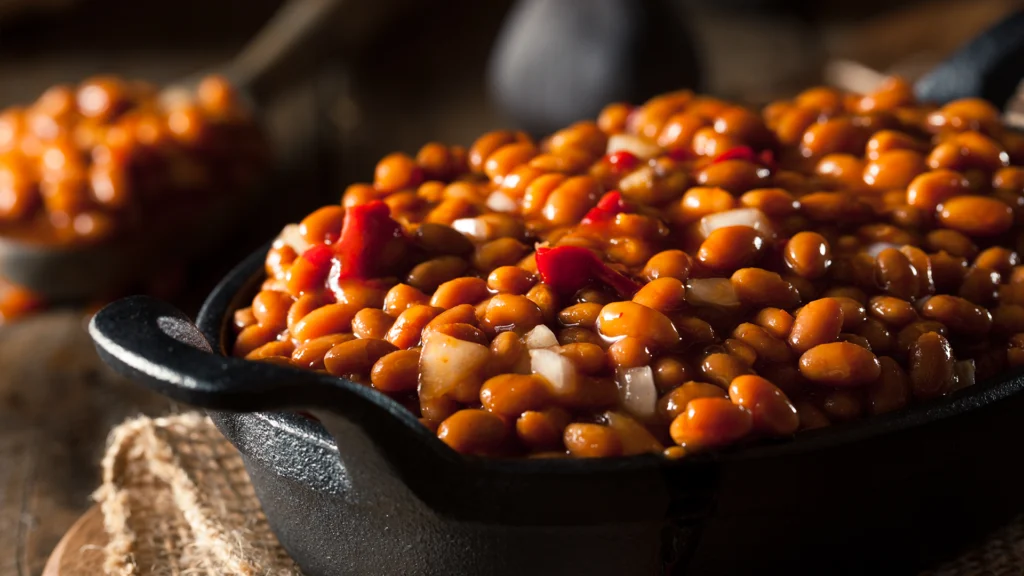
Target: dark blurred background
{"type": "Point", "coordinates": [398, 73]}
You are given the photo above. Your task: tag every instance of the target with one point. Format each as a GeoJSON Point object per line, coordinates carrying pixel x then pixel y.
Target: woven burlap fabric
{"type": "Point", "coordinates": [176, 500]}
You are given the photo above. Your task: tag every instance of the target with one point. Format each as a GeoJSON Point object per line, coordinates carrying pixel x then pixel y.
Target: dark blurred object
{"type": "Point", "coordinates": [991, 65]}
{"type": "Point", "coordinates": [16, 7]}
{"type": "Point", "coordinates": [559, 61]}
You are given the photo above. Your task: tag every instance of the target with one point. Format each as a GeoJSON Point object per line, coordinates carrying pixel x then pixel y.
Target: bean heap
{"type": "Point", "coordinates": [86, 163]}
{"type": "Point", "coordinates": [674, 277]}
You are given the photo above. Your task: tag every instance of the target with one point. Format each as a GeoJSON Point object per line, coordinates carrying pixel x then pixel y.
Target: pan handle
{"type": "Point", "coordinates": [990, 66]}
{"type": "Point", "coordinates": [156, 344]}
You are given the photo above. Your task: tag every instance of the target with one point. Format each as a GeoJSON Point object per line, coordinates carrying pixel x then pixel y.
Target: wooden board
{"type": "Point", "coordinates": [80, 552]}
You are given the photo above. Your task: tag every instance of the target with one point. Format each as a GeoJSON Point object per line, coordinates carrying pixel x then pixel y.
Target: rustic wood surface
{"type": "Point", "coordinates": [80, 552]}
{"type": "Point", "coordinates": [57, 403]}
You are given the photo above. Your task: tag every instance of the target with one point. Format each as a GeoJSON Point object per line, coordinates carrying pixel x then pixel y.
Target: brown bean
{"type": "Point", "coordinates": [741, 350]}
{"type": "Point", "coordinates": [542, 430]}
{"type": "Point", "coordinates": [906, 337]}
{"type": "Point", "coordinates": [397, 371]}
{"type": "Point", "coordinates": [958, 314]}
{"type": "Point", "coordinates": [931, 366]}
{"type": "Point", "coordinates": [401, 297]}
{"type": "Point", "coordinates": [513, 394]}
{"type": "Point", "coordinates": [662, 294]}
{"type": "Point", "coordinates": [310, 354]}
{"type": "Point", "coordinates": [980, 285]}
{"type": "Point", "coordinates": [406, 331]}
{"type": "Point", "coordinates": [772, 413]}
{"type": "Point", "coordinates": [629, 352]}
{"type": "Point", "coordinates": [621, 319]}
{"type": "Point", "coordinates": [721, 369]}
{"type": "Point", "coordinates": [809, 255]}
{"type": "Point", "coordinates": [839, 364]}
{"type": "Point", "coordinates": [465, 290]}
{"type": "Point", "coordinates": [670, 373]}
{"type": "Point", "coordinates": [510, 280]}
{"type": "Point", "coordinates": [895, 274]}
{"type": "Point", "coordinates": [880, 340]}
{"type": "Point", "coordinates": [668, 264]}
{"type": "Point", "coordinates": [591, 441]}
{"type": "Point", "coordinates": [473, 431]}
{"type": "Point", "coordinates": [270, 308]}
{"type": "Point", "coordinates": [428, 275]}
{"type": "Point", "coordinates": [441, 239]}
{"type": "Point", "coordinates": [893, 311]}
{"type": "Point", "coordinates": [583, 314]}
{"type": "Point", "coordinates": [759, 287]}
{"type": "Point", "coordinates": [709, 423]}
{"type": "Point", "coordinates": [730, 248]}
{"type": "Point", "coordinates": [976, 216]}
{"type": "Point", "coordinates": [768, 347]}
{"type": "Point", "coordinates": [891, 390]}
{"type": "Point", "coordinates": [511, 312]}
{"type": "Point", "coordinates": [819, 322]}
{"type": "Point", "coordinates": [775, 321]}
{"type": "Point", "coordinates": [356, 356]}
{"type": "Point", "coordinates": [371, 323]}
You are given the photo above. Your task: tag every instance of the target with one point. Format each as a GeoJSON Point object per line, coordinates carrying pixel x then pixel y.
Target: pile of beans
{"type": "Point", "coordinates": [674, 277]}
{"type": "Point", "coordinates": [110, 156]}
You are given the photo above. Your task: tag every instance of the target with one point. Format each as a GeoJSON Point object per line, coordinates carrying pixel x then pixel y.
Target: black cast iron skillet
{"type": "Point", "coordinates": [371, 491]}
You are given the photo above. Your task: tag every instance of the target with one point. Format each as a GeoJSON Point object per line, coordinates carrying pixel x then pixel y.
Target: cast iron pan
{"type": "Point", "coordinates": [371, 491]}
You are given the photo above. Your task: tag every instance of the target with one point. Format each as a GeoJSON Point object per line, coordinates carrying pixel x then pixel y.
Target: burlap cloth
{"type": "Point", "coordinates": [176, 500]}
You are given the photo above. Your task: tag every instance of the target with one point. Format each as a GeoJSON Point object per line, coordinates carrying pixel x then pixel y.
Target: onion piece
{"type": "Point", "coordinates": [540, 337]}
{"type": "Point", "coordinates": [558, 370]}
{"type": "Point", "coordinates": [874, 249]}
{"type": "Point", "coordinates": [451, 367]}
{"type": "Point", "coordinates": [963, 372]}
{"type": "Point", "coordinates": [751, 217]}
{"type": "Point", "coordinates": [635, 145]}
{"type": "Point", "coordinates": [637, 392]}
{"type": "Point", "coordinates": [638, 180]}
{"type": "Point", "coordinates": [711, 292]}
{"type": "Point", "coordinates": [291, 236]}
{"type": "Point", "coordinates": [636, 439]}
{"type": "Point", "coordinates": [477, 229]}
{"type": "Point", "coordinates": [501, 202]}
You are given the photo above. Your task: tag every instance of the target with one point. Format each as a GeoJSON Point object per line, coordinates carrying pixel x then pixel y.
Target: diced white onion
{"type": "Point", "coordinates": [637, 180]}
{"type": "Point", "coordinates": [501, 202]}
{"type": "Point", "coordinates": [711, 292]}
{"type": "Point", "coordinates": [874, 249]}
{"type": "Point", "coordinates": [635, 145]}
{"type": "Point", "coordinates": [290, 236]}
{"type": "Point", "coordinates": [475, 228]}
{"type": "Point", "coordinates": [447, 362]}
{"type": "Point", "coordinates": [558, 370]}
{"type": "Point", "coordinates": [540, 337]}
{"type": "Point", "coordinates": [637, 392]}
{"type": "Point", "coordinates": [751, 217]}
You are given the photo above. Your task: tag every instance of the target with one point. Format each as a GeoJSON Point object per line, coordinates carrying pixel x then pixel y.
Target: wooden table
{"type": "Point", "coordinates": [57, 404]}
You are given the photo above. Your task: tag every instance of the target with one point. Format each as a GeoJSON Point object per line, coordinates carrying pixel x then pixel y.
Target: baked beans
{"type": "Point", "coordinates": [686, 271]}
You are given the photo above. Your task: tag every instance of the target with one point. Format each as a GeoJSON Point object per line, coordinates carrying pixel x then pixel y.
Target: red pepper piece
{"type": "Point", "coordinates": [607, 207]}
{"type": "Point", "coordinates": [681, 154]}
{"type": "Point", "coordinates": [737, 153]}
{"type": "Point", "coordinates": [568, 269]}
{"type": "Point", "coordinates": [767, 159]}
{"type": "Point", "coordinates": [367, 239]}
{"type": "Point", "coordinates": [622, 160]}
{"type": "Point", "coordinates": [310, 270]}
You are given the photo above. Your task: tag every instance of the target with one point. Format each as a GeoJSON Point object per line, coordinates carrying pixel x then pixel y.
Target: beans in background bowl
{"type": "Point", "coordinates": [673, 277]}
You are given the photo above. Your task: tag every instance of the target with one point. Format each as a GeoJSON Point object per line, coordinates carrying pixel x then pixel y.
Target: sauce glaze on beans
{"type": "Point", "coordinates": [678, 276]}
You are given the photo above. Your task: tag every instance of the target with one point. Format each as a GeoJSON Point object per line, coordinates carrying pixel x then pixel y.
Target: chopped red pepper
{"type": "Point", "coordinates": [767, 159]}
{"type": "Point", "coordinates": [568, 269]}
{"type": "Point", "coordinates": [737, 153]}
{"type": "Point", "coordinates": [607, 207]}
{"type": "Point", "coordinates": [367, 236]}
{"type": "Point", "coordinates": [310, 270]}
{"type": "Point", "coordinates": [319, 255]}
{"type": "Point", "coordinates": [681, 154]}
{"type": "Point", "coordinates": [622, 160]}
